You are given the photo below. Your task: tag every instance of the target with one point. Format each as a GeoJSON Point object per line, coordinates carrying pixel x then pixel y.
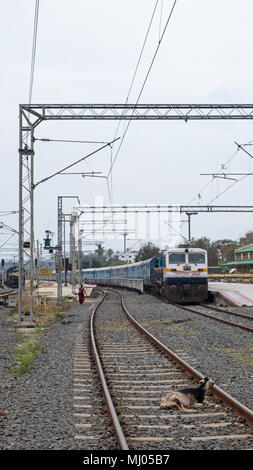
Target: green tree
{"type": "Point", "coordinates": [209, 246]}
{"type": "Point", "coordinates": [225, 249]}
{"type": "Point", "coordinates": [149, 250]}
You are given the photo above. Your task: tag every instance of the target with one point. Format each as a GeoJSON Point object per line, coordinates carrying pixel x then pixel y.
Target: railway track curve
{"type": "Point", "coordinates": [136, 370]}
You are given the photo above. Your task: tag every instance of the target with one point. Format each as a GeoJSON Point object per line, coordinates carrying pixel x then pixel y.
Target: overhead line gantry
{"type": "Point", "coordinates": [31, 115]}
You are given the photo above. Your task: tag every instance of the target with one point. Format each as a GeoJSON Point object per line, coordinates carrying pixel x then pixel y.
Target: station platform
{"type": "Point", "coordinates": [235, 294]}
{"type": "Point", "coordinates": [50, 290]}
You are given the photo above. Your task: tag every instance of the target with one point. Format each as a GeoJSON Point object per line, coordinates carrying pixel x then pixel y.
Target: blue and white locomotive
{"type": "Point", "coordinates": [180, 275]}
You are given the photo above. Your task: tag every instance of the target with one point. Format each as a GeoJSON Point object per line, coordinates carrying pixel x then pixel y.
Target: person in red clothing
{"type": "Point", "coordinates": [81, 294]}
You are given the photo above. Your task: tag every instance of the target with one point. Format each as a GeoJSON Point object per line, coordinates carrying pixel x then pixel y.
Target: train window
{"type": "Point", "coordinates": [198, 258]}
{"type": "Point", "coordinates": [176, 258]}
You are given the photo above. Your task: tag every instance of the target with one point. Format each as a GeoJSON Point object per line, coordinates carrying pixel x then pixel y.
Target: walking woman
{"type": "Point", "coordinates": [81, 294]}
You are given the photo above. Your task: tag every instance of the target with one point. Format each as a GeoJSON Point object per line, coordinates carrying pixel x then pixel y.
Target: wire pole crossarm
{"type": "Point", "coordinates": [241, 147]}
{"type": "Point", "coordinates": [86, 175]}
{"type": "Point", "coordinates": [75, 163]}
{"type": "Point", "coordinates": [224, 175]}
{"type": "Point", "coordinates": [73, 141]}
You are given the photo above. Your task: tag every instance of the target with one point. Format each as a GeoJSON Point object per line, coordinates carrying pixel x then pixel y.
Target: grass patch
{"type": "Point", "coordinates": [25, 353]}
{"type": "Point", "coordinates": [30, 347]}
{"type": "Point", "coordinates": [42, 316]}
{"type": "Point", "coordinates": [245, 356]}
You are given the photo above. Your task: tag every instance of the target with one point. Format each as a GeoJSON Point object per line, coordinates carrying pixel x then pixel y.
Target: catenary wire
{"type": "Point", "coordinates": [143, 85]}
{"type": "Point", "coordinates": [75, 163]}
{"type": "Point", "coordinates": [34, 44]}
{"type": "Point", "coordinates": [73, 141]}
{"type": "Point", "coordinates": [211, 180]}
{"type": "Point", "coordinates": [132, 82]}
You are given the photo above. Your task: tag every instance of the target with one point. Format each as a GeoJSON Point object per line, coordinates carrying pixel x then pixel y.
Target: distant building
{"type": "Point", "coordinates": [48, 263]}
{"type": "Point", "coordinates": [129, 256]}
{"type": "Point", "coordinates": [243, 262]}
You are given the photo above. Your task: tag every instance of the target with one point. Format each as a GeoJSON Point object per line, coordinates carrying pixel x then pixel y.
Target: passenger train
{"type": "Point", "coordinates": [10, 277]}
{"type": "Point", "coordinates": [180, 275]}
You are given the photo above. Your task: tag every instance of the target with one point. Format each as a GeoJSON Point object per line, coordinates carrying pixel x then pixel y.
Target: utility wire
{"type": "Point", "coordinates": [174, 230]}
{"type": "Point", "coordinates": [73, 141]}
{"type": "Point", "coordinates": [142, 50]}
{"type": "Point", "coordinates": [8, 240]}
{"type": "Point", "coordinates": [160, 22]}
{"type": "Point", "coordinates": [131, 85]}
{"type": "Point", "coordinates": [35, 29]}
{"type": "Point", "coordinates": [138, 62]}
{"type": "Point", "coordinates": [225, 190]}
{"type": "Point", "coordinates": [144, 83]}
{"type": "Point", "coordinates": [239, 147]}
{"type": "Point", "coordinates": [75, 163]}
{"type": "Point", "coordinates": [218, 172]}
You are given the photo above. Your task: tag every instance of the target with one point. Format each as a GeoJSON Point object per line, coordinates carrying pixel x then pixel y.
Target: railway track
{"type": "Point", "coordinates": [9, 292]}
{"type": "Point", "coordinates": [228, 312]}
{"type": "Point", "coordinates": [5, 295]}
{"type": "Point", "coordinates": [136, 370]}
{"type": "Point", "coordinates": [245, 322]}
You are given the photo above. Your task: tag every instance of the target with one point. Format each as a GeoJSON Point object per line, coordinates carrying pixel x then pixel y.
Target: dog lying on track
{"type": "Point", "coordinates": [187, 396]}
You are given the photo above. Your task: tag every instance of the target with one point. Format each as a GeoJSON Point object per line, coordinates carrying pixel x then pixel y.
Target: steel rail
{"type": "Point", "coordinates": [117, 427]}
{"type": "Point", "coordinates": [228, 312]}
{"type": "Point", "coordinates": [5, 294]}
{"type": "Point", "coordinates": [238, 407]}
{"type": "Point", "coordinates": [226, 322]}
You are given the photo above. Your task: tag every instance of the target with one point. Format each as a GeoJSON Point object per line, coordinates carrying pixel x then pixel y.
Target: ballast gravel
{"type": "Point", "coordinates": [221, 352]}
{"type": "Point", "coordinates": [39, 404]}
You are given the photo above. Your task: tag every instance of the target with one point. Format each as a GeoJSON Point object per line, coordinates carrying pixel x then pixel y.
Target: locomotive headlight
{"type": "Point", "coordinates": [187, 267]}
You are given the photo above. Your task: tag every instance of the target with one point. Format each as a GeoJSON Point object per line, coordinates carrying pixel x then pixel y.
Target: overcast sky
{"type": "Point", "coordinates": [86, 53]}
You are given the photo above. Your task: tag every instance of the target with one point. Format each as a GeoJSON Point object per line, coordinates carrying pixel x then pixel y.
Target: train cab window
{"type": "Point", "coordinates": [197, 258]}
{"type": "Point", "coordinates": [176, 258]}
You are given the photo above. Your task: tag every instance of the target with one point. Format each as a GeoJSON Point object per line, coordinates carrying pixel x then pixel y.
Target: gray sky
{"type": "Point", "coordinates": [86, 53]}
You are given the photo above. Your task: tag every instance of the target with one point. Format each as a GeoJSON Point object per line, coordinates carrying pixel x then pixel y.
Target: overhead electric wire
{"type": "Point", "coordinates": [174, 230]}
{"type": "Point", "coordinates": [218, 172]}
{"type": "Point", "coordinates": [225, 190]}
{"type": "Point", "coordinates": [4, 213]}
{"type": "Point", "coordinates": [75, 163]}
{"type": "Point", "coordinates": [144, 83]}
{"type": "Point", "coordinates": [73, 141]}
{"type": "Point", "coordinates": [142, 50]}
{"type": "Point", "coordinates": [237, 181]}
{"type": "Point", "coordinates": [160, 22]}
{"type": "Point", "coordinates": [34, 44]}
{"type": "Point", "coordinates": [130, 88]}
{"type": "Point", "coordinates": [239, 147]}
{"type": "Point", "coordinates": [8, 240]}
{"type": "Point", "coordinates": [138, 62]}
